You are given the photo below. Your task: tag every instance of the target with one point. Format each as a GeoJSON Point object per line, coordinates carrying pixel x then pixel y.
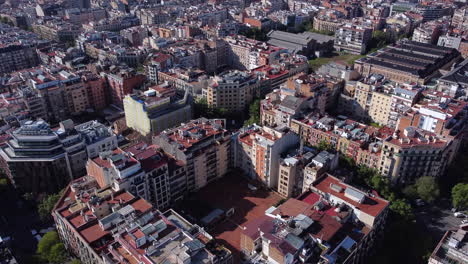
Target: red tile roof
{"type": "Point", "coordinates": [93, 233]}
{"type": "Point", "coordinates": [372, 205]}
{"type": "Point", "coordinates": [141, 206]}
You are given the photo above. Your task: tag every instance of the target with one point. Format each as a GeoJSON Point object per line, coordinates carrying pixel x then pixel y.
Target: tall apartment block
{"type": "Point", "coordinates": [258, 152]}
{"type": "Point", "coordinates": [233, 90]}
{"type": "Point", "coordinates": [141, 170]}
{"type": "Point", "coordinates": [101, 226]}
{"type": "Point", "coordinates": [352, 38]}
{"type": "Point", "coordinates": [203, 147]}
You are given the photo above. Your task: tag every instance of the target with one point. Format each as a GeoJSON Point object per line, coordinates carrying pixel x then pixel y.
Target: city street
{"type": "Point", "coordinates": [437, 218]}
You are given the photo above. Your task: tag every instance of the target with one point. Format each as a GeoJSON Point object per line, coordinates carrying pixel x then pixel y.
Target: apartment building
{"type": "Point", "coordinates": [248, 54]}
{"type": "Point", "coordinates": [258, 152]}
{"type": "Point", "coordinates": [232, 90]}
{"type": "Point", "coordinates": [39, 159]}
{"type": "Point", "coordinates": [98, 137]}
{"type": "Point", "coordinates": [313, 227]}
{"type": "Point", "coordinates": [149, 16]}
{"type": "Point", "coordinates": [352, 38]}
{"type": "Point", "coordinates": [57, 30]}
{"type": "Point", "coordinates": [382, 101]}
{"type": "Point", "coordinates": [452, 248]}
{"type": "Point", "coordinates": [430, 31]}
{"type": "Point", "coordinates": [327, 24]}
{"type": "Point", "coordinates": [16, 57]}
{"type": "Point", "coordinates": [322, 163]}
{"type": "Point", "coordinates": [321, 91]}
{"type": "Point", "coordinates": [408, 61]}
{"type": "Point", "coordinates": [414, 153]}
{"type": "Point", "coordinates": [84, 16]}
{"type": "Point", "coordinates": [140, 169]}
{"type": "Point", "coordinates": [437, 113]}
{"type": "Point", "coordinates": [158, 108]}
{"type": "Point", "coordinates": [96, 89]}
{"type": "Point", "coordinates": [460, 18]}
{"type": "Point", "coordinates": [356, 140]}
{"type": "Point", "coordinates": [122, 83]}
{"type": "Point", "coordinates": [112, 23]}
{"type": "Point", "coordinates": [101, 226]}
{"type": "Point", "coordinates": [192, 80]}
{"type": "Point", "coordinates": [280, 106]}
{"type": "Point", "coordinates": [203, 147]}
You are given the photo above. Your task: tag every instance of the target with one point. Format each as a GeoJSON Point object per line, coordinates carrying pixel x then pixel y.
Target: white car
{"type": "Point", "coordinates": [459, 215]}
{"type": "Point", "coordinates": [465, 221]}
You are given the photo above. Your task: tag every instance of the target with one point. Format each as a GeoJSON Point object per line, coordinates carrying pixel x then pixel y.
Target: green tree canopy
{"type": "Point", "coordinates": [460, 196]}
{"type": "Point", "coordinates": [427, 188]}
{"type": "Point", "coordinates": [51, 249]}
{"type": "Point", "coordinates": [47, 242]}
{"type": "Point", "coordinates": [46, 205]}
{"type": "Point", "coordinates": [402, 208]}
{"type": "Point", "coordinates": [254, 113]}
{"type": "Point", "coordinates": [58, 253]}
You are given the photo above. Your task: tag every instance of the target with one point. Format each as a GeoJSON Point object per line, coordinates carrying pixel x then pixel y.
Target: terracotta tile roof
{"type": "Point", "coordinates": [141, 206]}
{"type": "Point", "coordinates": [93, 233]}
{"type": "Point", "coordinates": [372, 205]}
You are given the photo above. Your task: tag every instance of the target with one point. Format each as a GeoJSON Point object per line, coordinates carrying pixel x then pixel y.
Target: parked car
{"type": "Point", "coordinates": [465, 221]}
{"type": "Point", "coordinates": [459, 215]}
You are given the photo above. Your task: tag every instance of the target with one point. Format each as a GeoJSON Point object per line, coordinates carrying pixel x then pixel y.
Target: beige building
{"type": "Point", "coordinates": [203, 146]}
{"type": "Point", "coordinates": [380, 107]}
{"type": "Point", "coordinates": [323, 23]}
{"type": "Point", "coordinates": [415, 153]}
{"type": "Point", "coordinates": [153, 111]}
{"type": "Point", "coordinates": [233, 90]}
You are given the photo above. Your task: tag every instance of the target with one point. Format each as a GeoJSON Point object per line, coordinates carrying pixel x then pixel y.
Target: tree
{"type": "Point", "coordinates": [460, 196]}
{"type": "Point", "coordinates": [427, 188]}
{"type": "Point", "coordinates": [58, 253]}
{"type": "Point", "coordinates": [51, 249]}
{"type": "Point", "coordinates": [411, 192]}
{"type": "Point", "coordinates": [47, 242]}
{"type": "Point", "coordinates": [75, 261]}
{"type": "Point", "coordinates": [46, 205]}
{"type": "Point", "coordinates": [378, 41]}
{"type": "Point", "coordinates": [402, 208]}
{"type": "Point", "coordinates": [254, 113]}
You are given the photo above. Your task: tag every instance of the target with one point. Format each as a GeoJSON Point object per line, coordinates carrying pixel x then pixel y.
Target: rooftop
{"type": "Point", "coordinates": [368, 204]}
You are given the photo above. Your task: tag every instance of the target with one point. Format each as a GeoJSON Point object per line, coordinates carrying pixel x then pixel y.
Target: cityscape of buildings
{"type": "Point", "coordinates": [130, 112]}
